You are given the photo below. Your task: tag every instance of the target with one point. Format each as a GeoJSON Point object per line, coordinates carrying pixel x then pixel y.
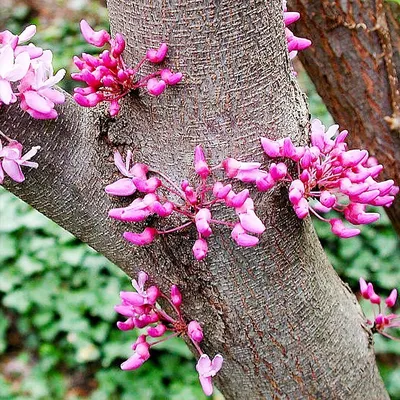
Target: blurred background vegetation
{"type": "Point", "coordinates": [58, 338]}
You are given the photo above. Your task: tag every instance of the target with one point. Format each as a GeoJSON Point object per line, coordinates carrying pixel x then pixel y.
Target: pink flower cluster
{"type": "Point", "coordinates": [107, 76]}
{"type": "Point", "coordinates": [163, 198]}
{"type": "Point", "coordinates": [328, 177]}
{"type": "Point", "coordinates": [11, 159]}
{"type": "Point", "coordinates": [32, 67]}
{"type": "Point", "coordinates": [382, 320]}
{"type": "Point", "coordinates": [295, 44]}
{"type": "Point", "coordinates": [142, 311]}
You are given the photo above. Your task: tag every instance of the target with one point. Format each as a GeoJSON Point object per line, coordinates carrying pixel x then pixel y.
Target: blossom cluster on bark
{"type": "Point", "coordinates": [142, 311]}
{"type": "Point", "coordinates": [194, 203]}
{"type": "Point", "coordinates": [107, 76]}
{"type": "Point", "coordinates": [383, 320]}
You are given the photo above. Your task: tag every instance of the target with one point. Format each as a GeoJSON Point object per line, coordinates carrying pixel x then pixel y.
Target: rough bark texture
{"type": "Point", "coordinates": [355, 65]}
{"type": "Point", "coordinates": [286, 325]}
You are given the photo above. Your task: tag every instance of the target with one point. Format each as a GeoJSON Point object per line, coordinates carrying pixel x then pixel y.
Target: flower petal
{"type": "Point", "coordinates": [13, 170]}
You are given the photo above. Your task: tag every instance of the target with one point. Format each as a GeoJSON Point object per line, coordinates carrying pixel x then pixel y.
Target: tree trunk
{"type": "Point", "coordinates": [286, 325]}
{"type": "Point", "coordinates": [355, 65]}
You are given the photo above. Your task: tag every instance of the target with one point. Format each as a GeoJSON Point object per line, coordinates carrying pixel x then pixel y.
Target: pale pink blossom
{"type": "Point", "coordinates": [208, 369]}
{"type": "Point", "coordinates": [12, 69]}
{"type": "Point", "coordinates": [38, 97]}
{"type": "Point", "coordinates": [32, 68]}
{"type": "Point", "coordinates": [11, 160]}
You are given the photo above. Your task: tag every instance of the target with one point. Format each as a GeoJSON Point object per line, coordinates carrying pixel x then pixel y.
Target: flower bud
{"type": "Point", "coordinates": [195, 332]}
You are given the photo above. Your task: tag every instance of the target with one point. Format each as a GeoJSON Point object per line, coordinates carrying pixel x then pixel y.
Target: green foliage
{"type": "Point", "coordinates": [373, 255]}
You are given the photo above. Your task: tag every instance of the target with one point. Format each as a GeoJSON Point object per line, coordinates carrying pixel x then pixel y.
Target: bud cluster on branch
{"type": "Point", "coordinates": [194, 203]}
{"type": "Point", "coordinates": [142, 311]}
{"type": "Point", "coordinates": [382, 319]}
{"type": "Point", "coordinates": [107, 76]}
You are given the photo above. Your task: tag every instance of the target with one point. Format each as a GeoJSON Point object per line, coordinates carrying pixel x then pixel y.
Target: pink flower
{"type": "Point", "coordinates": [208, 369]}
{"type": "Point", "coordinates": [11, 160]}
{"type": "Point", "coordinates": [98, 39]}
{"type": "Point", "coordinates": [195, 332]}
{"type": "Point", "coordinates": [200, 164]}
{"type": "Point", "coordinates": [12, 69]}
{"type": "Point", "coordinates": [244, 171]}
{"type": "Point", "coordinates": [157, 55]}
{"type": "Point", "coordinates": [200, 249]}
{"type": "Point", "coordinates": [141, 355]}
{"type": "Point", "coordinates": [32, 67]}
{"type": "Point", "coordinates": [383, 319]}
{"type": "Point", "coordinates": [339, 229]}
{"type": "Point", "coordinates": [391, 300]}
{"type": "Point", "coordinates": [202, 219]}
{"type": "Point", "coordinates": [176, 296]}
{"type": "Point", "coordinates": [294, 43]}
{"type": "Point", "coordinates": [171, 78]}
{"type": "Point", "coordinates": [157, 331]}
{"type": "Point", "coordinates": [122, 187]}
{"type": "Point", "coordinates": [155, 86]}
{"type": "Point", "coordinates": [240, 236]}
{"type": "Point", "coordinates": [141, 239]}
{"type": "Point", "coordinates": [38, 97]}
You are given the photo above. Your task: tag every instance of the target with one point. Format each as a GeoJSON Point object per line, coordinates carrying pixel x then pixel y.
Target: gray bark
{"type": "Point", "coordinates": [286, 325]}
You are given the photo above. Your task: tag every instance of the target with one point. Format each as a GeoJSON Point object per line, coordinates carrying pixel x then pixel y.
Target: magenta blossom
{"type": "Point", "coordinates": [143, 312]}
{"type": "Point", "coordinates": [163, 198]}
{"type": "Point", "coordinates": [329, 177]}
{"type": "Point", "coordinates": [294, 43]}
{"type": "Point", "coordinates": [383, 319]}
{"type": "Point", "coordinates": [107, 76]}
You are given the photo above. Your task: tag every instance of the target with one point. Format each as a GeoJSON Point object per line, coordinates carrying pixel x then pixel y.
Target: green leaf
{"type": "Point", "coordinates": [18, 300]}
{"type": "Point", "coordinates": [29, 265]}
{"type": "Point", "coordinates": [8, 247]}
